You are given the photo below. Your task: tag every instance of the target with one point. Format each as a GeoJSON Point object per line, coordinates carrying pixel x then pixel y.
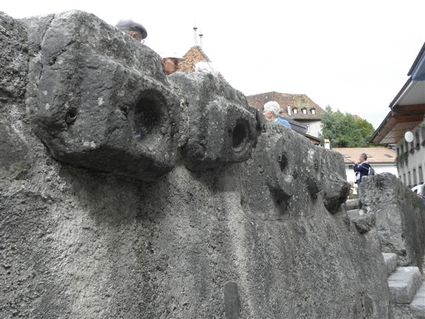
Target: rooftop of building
{"type": "Point", "coordinates": [294, 106]}
{"type": "Point", "coordinates": [377, 155]}
{"type": "Point", "coordinates": [407, 109]}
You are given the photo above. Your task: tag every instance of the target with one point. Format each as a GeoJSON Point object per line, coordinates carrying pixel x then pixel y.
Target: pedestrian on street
{"type": "Point", "coordinates": [361, 168]}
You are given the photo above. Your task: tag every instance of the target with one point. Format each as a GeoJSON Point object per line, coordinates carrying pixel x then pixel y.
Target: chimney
{"type": "Point", "coordinates": [200, 39]}
{"type": "Point", "coordinates": [289, 111]}
{"type": "Point", "coordinates": [195, 34]}
{"type": "Point", "coordinates": [327, 144]}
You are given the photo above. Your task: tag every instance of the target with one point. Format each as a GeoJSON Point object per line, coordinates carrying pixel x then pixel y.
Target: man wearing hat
{"type": "Point", "coordinates": [271, 113]}
{"type": "Point", "coordinates": [134, 29]}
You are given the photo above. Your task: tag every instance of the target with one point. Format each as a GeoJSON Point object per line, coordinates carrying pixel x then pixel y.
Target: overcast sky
{"type": "Point", "coordinates": [351, 55]}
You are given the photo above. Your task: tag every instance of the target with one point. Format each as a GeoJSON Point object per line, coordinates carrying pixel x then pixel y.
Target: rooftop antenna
{"type": "Point", "coordinates": [200, 39]}
{"type": "Point", "coordinates": [195, 34]}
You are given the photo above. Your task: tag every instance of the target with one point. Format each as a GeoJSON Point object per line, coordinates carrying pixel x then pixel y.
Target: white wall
{"type": "Point", "coordinates": [379, 168]}
{"type": "Point", "coordinates": [415, 160]}
{"type": "Point", "coordinates": [314, 128]}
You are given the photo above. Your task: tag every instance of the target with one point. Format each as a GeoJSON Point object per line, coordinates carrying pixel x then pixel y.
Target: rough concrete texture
{"type": "Point", "coordinates": [82, 236]}
{"type": "Point", "coordinates": [98, 100]}
{"type": "Point", "coordinates": [221, 127]}
{"type": "Point", "coordinates": [364, 222]}
{"type": "Point", "coordinates": [390, 260]}
{"type": "Point", "coordinates": [404, 283]}
{"type": "Point", "coordinates": [400, 217]}
{"type": "Point", "coordinates": [418, 304]}
{"type": "Point", "coordinates": [402, 311]}
{"type": "Point", "coordinates": [352, 204]}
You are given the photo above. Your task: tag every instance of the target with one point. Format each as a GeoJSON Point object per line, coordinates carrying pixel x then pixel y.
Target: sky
{"type": "Point", "coordinates": [351, 55]}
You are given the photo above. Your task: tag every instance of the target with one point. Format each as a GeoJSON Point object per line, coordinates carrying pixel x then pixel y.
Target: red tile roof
{"type": "Point", "coordinates": [374, 154]}
{"type": "Point", "coordinates": [294, 101]}
{"type": "Point", "coordinates": [193, 56]}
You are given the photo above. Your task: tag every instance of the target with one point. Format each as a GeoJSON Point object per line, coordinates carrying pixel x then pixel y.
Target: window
{"type": "Point", "coordinates": [295, 110]}
{"type": "Point", "coordinates": [417, 140]}
{"type": "Point", "coordinates": [421, 175]}
{"type": "Point", "coordinates": [304, 110]}
{"type": "Point", "coordinates": [423, 134]}
{"type": "Point", "coordinates": [409, 177]}
{"type": "Point", "coordinates": [404, 179]}
{"type": "Point", "coordinates": [415, 178]}
{"type": "Point", "coordinates": [398, 151]}
{"type": "Point", "coordinates": [401, 148]}
{"type": "Point", "coordinates": [313, 111]}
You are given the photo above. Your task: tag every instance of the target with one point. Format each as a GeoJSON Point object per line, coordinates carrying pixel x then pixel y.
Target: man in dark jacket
{"type": "Point", "coordinates": [361, 168]}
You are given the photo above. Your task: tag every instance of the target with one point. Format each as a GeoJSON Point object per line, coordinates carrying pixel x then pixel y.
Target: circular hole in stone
{"type": "Point", "coordinates": [240, 135]}
{"type": "Point", "coordinates": [148, 114]}
{"type": "Point", "coordinates": [283, 161]}
{"type": "Point", "coordinates": [71, 115]}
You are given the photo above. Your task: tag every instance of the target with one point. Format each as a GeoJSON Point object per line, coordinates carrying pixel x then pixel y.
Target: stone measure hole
{"type": "Point", "coordinates": [71, 115]}
{"type": "Point", "coordinates": [240, 135]}
{"type": "Point", "coordinates": [280, 199]}
{"type": "Point", "coordinates": [148, 114]}
{"type": "Point", "coordinates": [283, 161]}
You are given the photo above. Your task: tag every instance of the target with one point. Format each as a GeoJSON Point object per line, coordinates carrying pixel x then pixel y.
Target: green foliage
{"type": "Point", "coordinates": [346, 130]}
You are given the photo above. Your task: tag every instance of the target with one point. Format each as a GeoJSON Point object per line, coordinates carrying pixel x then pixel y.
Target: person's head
{"type": "Point", "coordinates": [363, 157]}
{"type": "Point", "coordinates": [271, 110]}
{"type": "Point", "coordinates": [171, 65]}
{"type": "Point", "coordinates": [134, 29]}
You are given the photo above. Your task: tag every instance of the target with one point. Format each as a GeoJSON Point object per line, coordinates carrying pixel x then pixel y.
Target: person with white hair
{"type": "Point", "coordinates": [134, 29]}
{"type": "Point", "coordinates": [271, 113]}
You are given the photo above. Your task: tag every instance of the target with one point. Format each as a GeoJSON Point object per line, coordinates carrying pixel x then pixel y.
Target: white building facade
{"type": "Point", "coordinates": [411, 158]}
{"type": "Point", "coordinates": [382, 160]}
{"type": "Point", "coordinates": [407, 111]}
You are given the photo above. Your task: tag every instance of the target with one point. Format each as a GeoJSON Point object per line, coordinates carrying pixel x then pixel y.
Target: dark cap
{"type": "Point", "coordinates": [129, 25]}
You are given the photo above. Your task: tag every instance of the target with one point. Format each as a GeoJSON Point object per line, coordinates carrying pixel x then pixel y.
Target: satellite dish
{"type": "Point", "coordinates": [409, 137]}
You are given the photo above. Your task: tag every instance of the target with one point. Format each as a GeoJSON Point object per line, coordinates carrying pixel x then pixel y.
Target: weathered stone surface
{"type": "Point", "coordinates": [335, 187]}
{"type": "Point", "coordinates": [14, 149]}
{"type": "Point", "coordinates": [418, 304]}
{"type": "Point", "coordinates": [404, 283]}
{"type": "Point", "coordinates": [221, 126]}
{"type": "Point", "coordinates": [390, 260]}
{"type": "Point", "coordinates": [351, 204]}
{"type": "Point", "coordinates": [363, 222]}
{"type": "Point", "coordinates": [402, 311]}
{"type": "Point", "coordinates": [299, 176]}
{"type": "Point", "coordinates": [264, 237]}
{"type": "Point", "coordinates": [231, 301]}
{"type": "Point", "coordinates": [14, 157]}
{"type": "Point", "coordinates": [13, 60]}
{"type": "Point", "coordinates": [400, 217]}
{"type": "Point", "coordinates": [99, 100]}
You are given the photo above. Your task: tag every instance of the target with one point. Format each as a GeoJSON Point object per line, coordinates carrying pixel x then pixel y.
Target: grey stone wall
{"type": "Point", "coordinates": [400, 217]}
{"type": "Point", "coordinates": [125, 195]}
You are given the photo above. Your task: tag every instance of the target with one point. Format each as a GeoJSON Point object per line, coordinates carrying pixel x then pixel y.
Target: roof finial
{"type": "Point", "coordinates": [200, 39]}
{"type": "Point", "coordinates": [195, 31]}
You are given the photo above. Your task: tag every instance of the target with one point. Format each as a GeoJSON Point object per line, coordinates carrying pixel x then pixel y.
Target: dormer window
{"type": "Point", "coordinates": [295, 110]}
{"type": "Point", "coordinates": [313, 111]}
{"type": "Point", "coordinates": [304, 110]}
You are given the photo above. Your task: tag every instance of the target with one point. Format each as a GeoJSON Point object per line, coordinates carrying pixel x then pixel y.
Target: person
{"type": "Point", "coordinates": [171, 65]}
{"type": "Point", "coordinates": [133, 29]}
{"type": "Point", "coordinates": [271, 113]}
{"type": "Point", "coordinates": [361, 168]}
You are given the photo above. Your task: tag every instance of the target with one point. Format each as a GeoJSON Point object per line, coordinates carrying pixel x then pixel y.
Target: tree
{"type": "Point", "coordinates": [346, 130]}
